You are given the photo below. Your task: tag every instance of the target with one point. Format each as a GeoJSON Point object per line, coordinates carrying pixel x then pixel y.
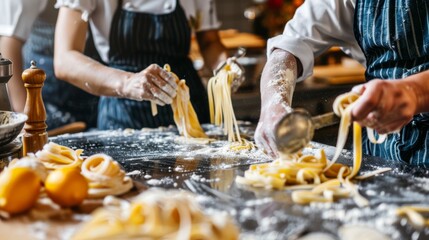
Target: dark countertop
{"type": "Point", "coordinates": [155, 159]}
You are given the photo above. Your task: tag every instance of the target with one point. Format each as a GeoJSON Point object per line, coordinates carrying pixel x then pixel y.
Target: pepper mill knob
{"type": "Point", "coordinates": [35, 136]}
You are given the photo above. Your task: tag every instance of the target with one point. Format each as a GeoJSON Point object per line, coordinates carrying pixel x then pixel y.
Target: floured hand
{"type": "Point", "coordinates": [277, 85]}
{"type": "Point", "coordinates": [236, 68]}
{"type": "Point", "coordinates": [238, 71]}
{"type": "Point", "coordinates": [385, 106]}
{"type": "Point", "coordinates": [265, 131]}
{"type": "Point", "coordinates": [152, 84]}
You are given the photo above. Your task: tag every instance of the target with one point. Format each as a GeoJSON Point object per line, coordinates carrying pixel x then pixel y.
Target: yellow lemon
{"type": "Point", "coordinates": [66, 186]}
{"type": "Point", "coordinates": [19, 189]}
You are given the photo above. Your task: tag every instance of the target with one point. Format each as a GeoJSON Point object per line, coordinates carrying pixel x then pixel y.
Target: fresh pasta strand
{"type": "Point", "coordinates": [222, 111]}
{"type": "Point", "coordinates": [343, 106]}
{"type": "Point", "coordinates": [153, 108]}
{"type": "Point", "coordinates": [373, 173]}
{"type": "Point", "coordinates": [184, 114]}
{"type": "Point", "coordinates": [105, 176]}
{"type": "Point", "coordinates": [414, 214]}
{"type": "Point", "coordinates": [220, 104]}
{"type": "Point", "coordinates": [156, 214]}
{"type": "Point", "coordinates": [305, 171]}
{"type": "Point", "coordinates": [305, 176]}
{"type": "Point", "coordinates": [54, 156]}
{"type": "Point", "coordinates": [372, 138]}
{"type": "Point", "coordinates": [243, 145]}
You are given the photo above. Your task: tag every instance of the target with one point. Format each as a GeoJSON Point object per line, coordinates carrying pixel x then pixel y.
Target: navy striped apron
{"type": "Point", "coordinates": [138, 40]}
{"type": "Point", "coordinates": [64, 103]}
{"type": "Point", "coordinates": [394, 36]}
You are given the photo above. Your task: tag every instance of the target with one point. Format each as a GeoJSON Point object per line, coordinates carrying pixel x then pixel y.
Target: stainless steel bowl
{"type": "Point", "coordinates": [11, 124]}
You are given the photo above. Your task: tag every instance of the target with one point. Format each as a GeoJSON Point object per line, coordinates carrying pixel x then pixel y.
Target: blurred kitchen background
{"type": "Point", "coordinates": [249, 23]}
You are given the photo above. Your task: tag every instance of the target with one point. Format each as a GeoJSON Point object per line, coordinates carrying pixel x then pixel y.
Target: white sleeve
{"type": "Point", "coordinates": [17, 16]}
{"type": "Point", "coordinates": [209, 18]}
{"type": "Point", "coordinates": [85, 6]}
{"type": "Point", "coordinates": [201, 14]}
{"type": "Point", "coordinates": [316, 26]}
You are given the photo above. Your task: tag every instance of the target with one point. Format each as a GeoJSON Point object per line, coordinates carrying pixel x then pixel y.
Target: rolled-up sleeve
{"type": "Point", "coordinates": [17, 17]}
{"type": "Point", "coordinates": [85, 6]}
{"type": "Point", "coordinates": [317, 26]}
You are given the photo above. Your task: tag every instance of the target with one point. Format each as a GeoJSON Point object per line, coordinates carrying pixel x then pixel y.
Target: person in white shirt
{"type": "Point", "coordinates": [15, 27]}
{"type": "Point", "coordinates": [27, 33]}
{"type": "Point", "coordinates": [389, 38]}
{"type": "Point", "coordinates": [135, 38]}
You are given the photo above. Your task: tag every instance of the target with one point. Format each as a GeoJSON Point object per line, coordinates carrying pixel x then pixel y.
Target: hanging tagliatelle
{"type": "Point", "coordinates": [343, 106]}
{"type": "Point", "coordinates": [184, 114]}
{"type": "Point", "coordinates": [105, 176]}
{"type": "Point", "coordinates": [54, 156]}
{"type": "Point", "coordinates": [156, 214]}
{"type": "Point", "coordinates": [220, 103]}
{"type": "Point", "coordinates": [326, 180]}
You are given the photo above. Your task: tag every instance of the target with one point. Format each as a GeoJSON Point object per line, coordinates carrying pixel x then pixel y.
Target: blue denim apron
{"type": "Point", "coordinates": [138, 40]}
{"type": "Point", "coordinates": [64, 103]}
{"type": "Point", "coordinates": [394, 36]}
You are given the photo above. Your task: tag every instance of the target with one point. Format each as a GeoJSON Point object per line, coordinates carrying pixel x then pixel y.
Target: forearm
{"type": "Point", "coordinates": [277, 86]}
{"type": "Point", "coordinates": [419, 84]}
{"type": "Point", "coordinates": [278, 80]}
{"type": "Point", "coordinates": [11, 48]}
{"type": "Point", "coordinates": [71, 65]}
{"type": "Point", "coordinates": [74, 67]}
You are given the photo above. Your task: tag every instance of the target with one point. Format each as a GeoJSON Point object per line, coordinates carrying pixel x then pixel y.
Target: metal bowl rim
{"type": "Point", "coordinates": [14, 124]}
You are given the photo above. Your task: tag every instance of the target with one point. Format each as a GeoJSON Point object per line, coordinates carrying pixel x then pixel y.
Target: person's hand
{"type": "Point", "coordinates": [265, 131]}
{"type": "Point", "coordinates": [238, 71]}
{"type": "Point", "coordinates": [152, 84]}
{"type": "Point", "coordinates": [385, 106]}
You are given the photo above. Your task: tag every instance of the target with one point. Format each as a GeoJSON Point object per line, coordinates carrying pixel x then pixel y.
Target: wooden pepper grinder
{"type": "Point", "coordinates": [35, 136]}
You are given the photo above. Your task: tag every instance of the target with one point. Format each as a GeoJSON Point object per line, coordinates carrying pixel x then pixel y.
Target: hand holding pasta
{"type": "Point", "coordinates": [231, 64]}
{"type": "Point", "coordinates": [238, 73]}
{"type": "Point", "coordinates": [385, 106]}
{"type": "Point", "coordinates": [152, 84]}
{"type": "Point", "coordinates": [185, 117]}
